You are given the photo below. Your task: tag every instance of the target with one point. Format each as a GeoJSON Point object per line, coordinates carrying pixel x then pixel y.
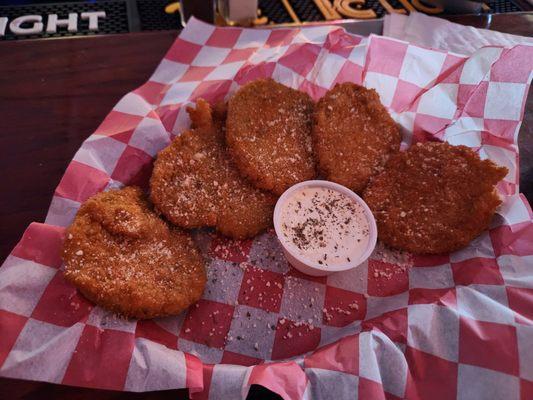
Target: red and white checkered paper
{"type": "Point", "coordinates": [442, 327]}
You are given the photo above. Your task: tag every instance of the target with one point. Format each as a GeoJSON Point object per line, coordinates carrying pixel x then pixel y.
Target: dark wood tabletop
{"type": "Point", "coordinates": [54, 93]}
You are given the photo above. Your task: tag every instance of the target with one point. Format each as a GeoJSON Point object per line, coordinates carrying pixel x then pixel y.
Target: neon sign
{"type": "Point", "coordinates": [35, 24]}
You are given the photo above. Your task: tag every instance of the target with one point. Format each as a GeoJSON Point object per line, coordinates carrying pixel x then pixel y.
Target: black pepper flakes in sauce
{"type": "Point", "coordinates": [325, 226]}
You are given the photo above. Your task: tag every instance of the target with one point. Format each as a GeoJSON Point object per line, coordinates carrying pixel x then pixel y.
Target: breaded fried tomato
{"type": "Point", "coordinates": [434, 198]}
{"type": "Point", "coordinates": [353, 135]}
{"type": "Point", "coordinates": [195, 183]}
{"type": "Point", "coordinates": [124, 258]}
{"type": "Point", "coordinates": [269, 134]}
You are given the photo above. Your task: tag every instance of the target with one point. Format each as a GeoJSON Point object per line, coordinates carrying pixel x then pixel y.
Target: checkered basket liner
{"type": "Point", "coordinates": [458, 325]}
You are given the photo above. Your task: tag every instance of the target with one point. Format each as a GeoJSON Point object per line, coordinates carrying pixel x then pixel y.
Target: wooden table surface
{"type": "Point", "coordinates": [54, 93]}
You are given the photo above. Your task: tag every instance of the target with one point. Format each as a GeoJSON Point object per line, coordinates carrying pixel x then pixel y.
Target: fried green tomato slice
{"type": "Point", "coordinates": [269, 134]}
{"type": "Point", "coordinates": [195, 183]}
{"type": "Point", "coordinates": [353, 135]}
{"type": "Point", "coordinates": [434, 198]}
{"type": "Point", "coordinates": [123, 257]}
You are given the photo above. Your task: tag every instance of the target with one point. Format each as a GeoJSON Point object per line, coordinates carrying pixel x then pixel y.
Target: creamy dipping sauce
{"type": "Point", "coordinates": [324, 226]}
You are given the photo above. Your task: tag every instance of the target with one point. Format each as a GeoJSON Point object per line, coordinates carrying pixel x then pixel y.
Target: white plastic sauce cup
{"type": "Point", "coordinates": [313, 268]}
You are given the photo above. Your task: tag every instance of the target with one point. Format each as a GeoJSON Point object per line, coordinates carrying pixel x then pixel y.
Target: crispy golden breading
{"type": "Point", "coordinates": [195, 184]}
{"type": "Point", "coordinates": [269, 134]}
{"type": "Point", "coordinates": [353, 135]}
{"type": "Point", "coordinates": [434, 198]}
{"type": "Point", "coordinates": [121, 256]}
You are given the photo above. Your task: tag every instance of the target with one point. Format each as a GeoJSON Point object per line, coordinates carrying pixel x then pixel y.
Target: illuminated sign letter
{"type": "Point", "coordinates": [17, 29]}
{"type": "Point", "coordinates": [93, 16]}
{"type": "Point", "coordinates": [53, 22]}
{"type": "Point", "coordinates": [3, 25]}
